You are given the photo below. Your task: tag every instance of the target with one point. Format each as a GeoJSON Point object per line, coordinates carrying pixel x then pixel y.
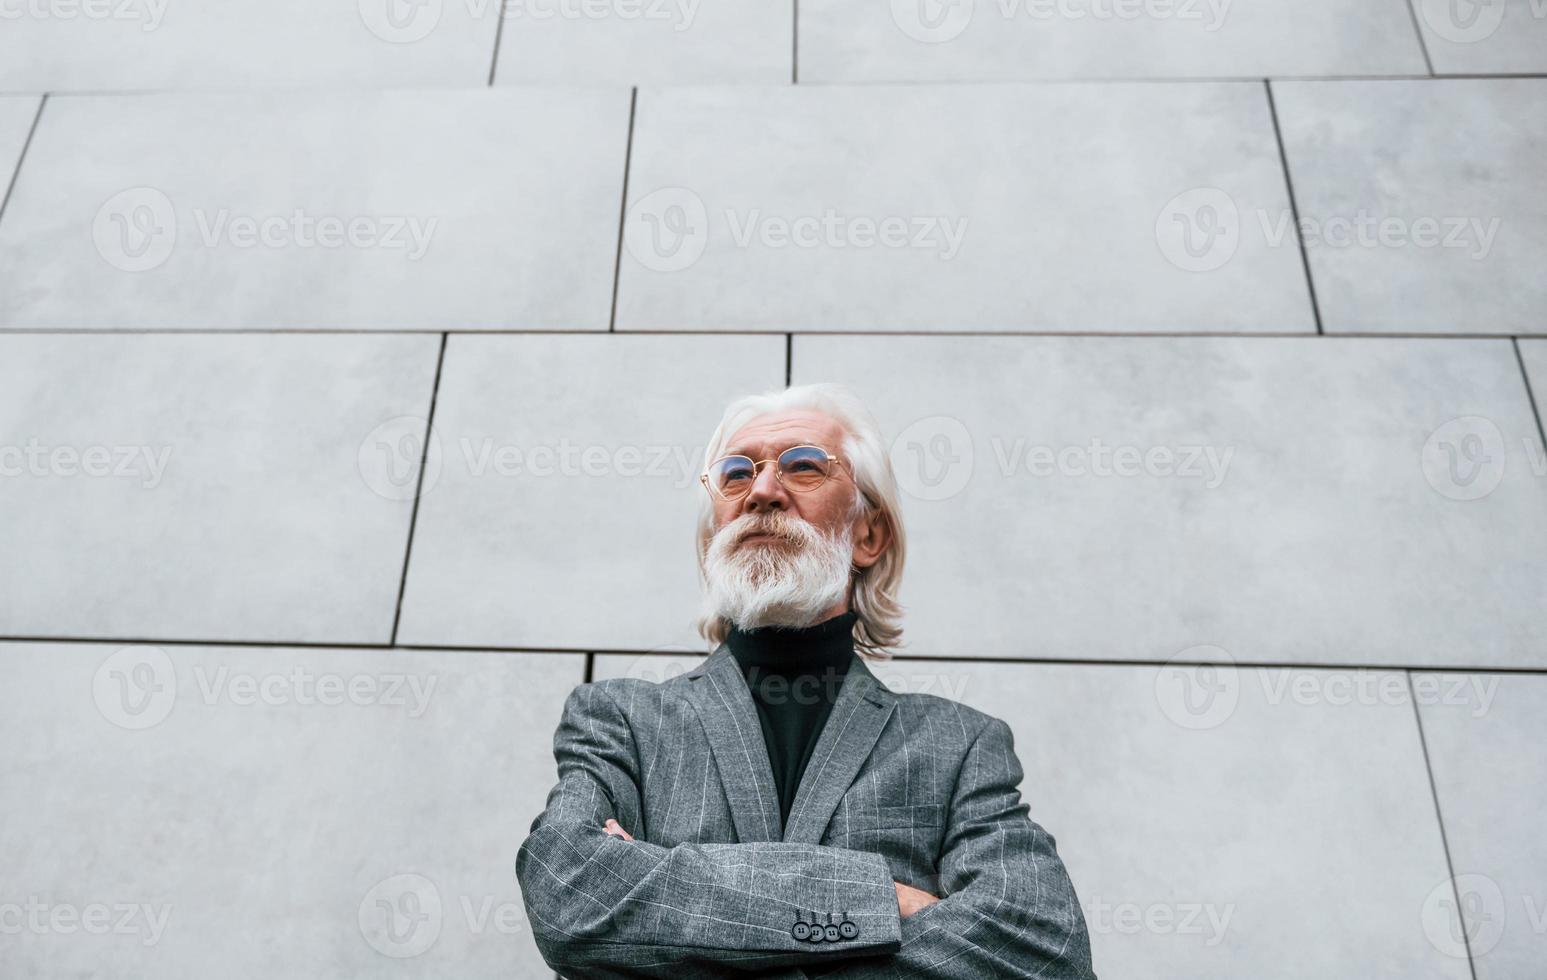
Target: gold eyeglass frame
{"type": "Point", "coordinates": [756, 463]}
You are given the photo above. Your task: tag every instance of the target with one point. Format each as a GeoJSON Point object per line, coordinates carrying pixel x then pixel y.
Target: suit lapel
{"type": "Point", "coordinates": [725, 708]}
{"type": "Point", "coordinates": [859, 714]}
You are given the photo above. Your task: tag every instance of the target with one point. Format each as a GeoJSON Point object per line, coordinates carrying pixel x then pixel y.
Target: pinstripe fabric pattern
{"type": "Point", "coordinates": [911, 788]}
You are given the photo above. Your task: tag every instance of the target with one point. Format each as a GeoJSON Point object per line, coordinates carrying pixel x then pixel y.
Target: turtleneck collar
{"type": "Point", "coordinates": [785, 650]}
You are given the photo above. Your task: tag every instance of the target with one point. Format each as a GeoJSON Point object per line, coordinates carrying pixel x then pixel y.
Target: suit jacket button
{"type": "Point", "coordinates": [801, 931]}
{"type": "Point", "coordinates": [848, 929]}
{"type": "Point", "coordinates": [817, 935]}
{"type": "Point", "coordinates": [830, 933]}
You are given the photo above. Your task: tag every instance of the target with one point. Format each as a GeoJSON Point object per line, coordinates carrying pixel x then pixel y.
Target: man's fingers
{"type": "Point", "coordinates": [616, 829]}
{"type": "Point", "coordinates": [911, 900]}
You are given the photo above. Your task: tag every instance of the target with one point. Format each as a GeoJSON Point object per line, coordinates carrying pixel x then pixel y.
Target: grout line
{"type": "Point", "coordinates": [499, 33]}
{"type": "Point", "coordinates": [497, 650]}
{"type": "Point", "coordinates": [617, 258]}
{"type": "Point", "coordinates": [687, 332]}
{"type": "Point", "coordinates": [1423, 46]}
{"type": "Point", "coordinates": [1048, 81]}
{"type": "Point", "coordinates": [1051, 334]}
{"type": "Point", "coordinates": [413, 517]}
{"type": "Point", "coordinates": [22, 157]}
{"type": "Point", "coordinates": [1294, 209]}
{"type": "Point", "coordinates": [251, 331]}
{"type": "Point", "coordinates": [1536, 410]}
{"type": "Point", "coordinates": [1033, 81]}
{"type": "Point", "coordinates": [789, 357]}
{"type": "Point", "coordinates": [1439, 816]}
{"type": "Point", "coordinates": [170, 642]}
{"type": "Point", "coordinates": [795, 44]}
{"type": "Point", "coordinates": [1065, 661]}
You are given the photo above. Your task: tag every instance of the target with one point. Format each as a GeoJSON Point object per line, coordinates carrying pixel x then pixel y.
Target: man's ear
{"type": "Point", "coordinates": [872, 536]}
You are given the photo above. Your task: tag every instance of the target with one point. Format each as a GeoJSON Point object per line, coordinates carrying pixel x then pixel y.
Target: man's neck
{"type": "Point", "coordinates": [787, 650]}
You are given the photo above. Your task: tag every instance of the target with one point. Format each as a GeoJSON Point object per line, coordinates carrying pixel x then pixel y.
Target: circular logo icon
{"type": "Point", "coordinates": [1464, 458]}
{"type": "Point", "coordinates": [1464, 912]}
{"type": "Point", "coordinates": [668, 229]}
{"type": "Point", "coordinates": [401, 916]}
{"type": "Point", "coordinates": [401, 21]}
{"type": "Point", "coordinates": [1463, 21]}
{"type": "Point", "coordinates": [933, 457]}
{"type": "Point", "coordinates": [135, 230]}
{"type": "Point", "coordinates": [1198, 689]}
{"type": "Point", "coordinates": [389, 457]}
{"type": "Point", "coordinates": [932, 21]}
{"type": "Point", "coordinates": [1199, 230]}
{"type": "Point", "coordinates": [135, 687]}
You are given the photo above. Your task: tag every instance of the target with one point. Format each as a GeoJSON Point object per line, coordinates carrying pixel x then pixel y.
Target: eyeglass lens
{"type": "Point", "coordinates": [800, 468]}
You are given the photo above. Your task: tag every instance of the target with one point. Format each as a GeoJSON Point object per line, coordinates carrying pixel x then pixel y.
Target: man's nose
{"type": "Point", "coordinates": [767, 492]}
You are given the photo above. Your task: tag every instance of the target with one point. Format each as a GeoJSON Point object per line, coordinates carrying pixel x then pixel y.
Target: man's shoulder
{"type": "Point", "coordinates": [631, 693]}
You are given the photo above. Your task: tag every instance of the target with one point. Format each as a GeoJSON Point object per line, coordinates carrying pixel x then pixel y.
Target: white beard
{"type": "Point", "coordinates": [768, 583]}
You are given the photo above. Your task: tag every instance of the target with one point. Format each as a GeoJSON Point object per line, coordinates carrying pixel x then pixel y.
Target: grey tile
{"type": "Point", "coordinates": [234, 44]}
{"type": "Point", "coordinates": [1497, 37]}
{"type": "Point", "coordinates": [1487, 740]}
{"type": "Point", "coordinates": [272, 804]}
{"type": "Point", "coordinates": [1209, 819]}
{"type": "Point", "coordinates": [1335, 501]}
{"type": "Point", "coordinates": [16, 115]}
{"type": "Point", "coordinates": [207, 487]}
{"type": "Point", "coordinates": [425, 210]}
{"type": "Point", "coordinates": [659, 666]}
{"type": "Point", "coordinates": [1014, 40]}
{"type": "Point", "coordinates": [1423, 201]}
{"type": "Point", "coordinates": [1048, 208]}
{"type": "Point", "coordinates": [662, 42]}
{"type": "Point", "coordinates": [564, 510]}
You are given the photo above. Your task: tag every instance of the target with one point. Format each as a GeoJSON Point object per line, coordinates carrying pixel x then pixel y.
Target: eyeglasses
{"type": "Point", "coordinates": [799, 468]}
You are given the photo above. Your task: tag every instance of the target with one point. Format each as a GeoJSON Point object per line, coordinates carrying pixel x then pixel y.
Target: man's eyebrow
{"type": "Point", "coordinates": [743, 451]}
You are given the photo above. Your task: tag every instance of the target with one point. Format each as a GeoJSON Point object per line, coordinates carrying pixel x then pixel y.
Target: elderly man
{"type": "Point", "coordinates": [778, 812]}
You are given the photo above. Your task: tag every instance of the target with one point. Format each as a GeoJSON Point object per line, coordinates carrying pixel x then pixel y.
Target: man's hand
{"type": "Point", "coordinates": [910, 899]}
{"type": "Point", "coordinates": [616, 829]}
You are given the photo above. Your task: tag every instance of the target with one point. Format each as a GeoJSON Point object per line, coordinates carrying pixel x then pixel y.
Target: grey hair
{"type": "Point", "coordinates": [878, 626]}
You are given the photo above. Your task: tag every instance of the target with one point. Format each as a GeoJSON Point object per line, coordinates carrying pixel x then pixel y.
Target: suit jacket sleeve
{"type": "Point", "coordinates": [1008, 908]}
{"type": "Point", "coordinates": [602, 906]}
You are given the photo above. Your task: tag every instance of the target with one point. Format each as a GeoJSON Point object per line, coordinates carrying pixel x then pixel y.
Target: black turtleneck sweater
{"type": "Point", "coordinates": [794, 676]}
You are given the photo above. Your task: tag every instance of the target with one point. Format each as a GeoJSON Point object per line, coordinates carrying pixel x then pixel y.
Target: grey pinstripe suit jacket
{"type": "Point", "coordinates": [901, 787]}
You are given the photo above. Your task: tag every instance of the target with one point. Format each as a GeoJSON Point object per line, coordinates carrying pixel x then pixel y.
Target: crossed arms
{"type": "Point", "coordinates": [604, 906]}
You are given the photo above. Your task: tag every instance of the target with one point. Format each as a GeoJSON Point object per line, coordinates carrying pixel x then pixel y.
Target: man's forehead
{"type": "Point", "coordinates": [783, 430]}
